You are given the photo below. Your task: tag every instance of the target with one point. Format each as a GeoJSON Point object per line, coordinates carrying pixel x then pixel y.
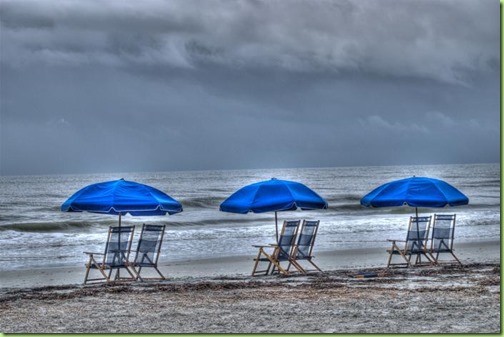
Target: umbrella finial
{"type": "Point", "coordinates": [274, 178]}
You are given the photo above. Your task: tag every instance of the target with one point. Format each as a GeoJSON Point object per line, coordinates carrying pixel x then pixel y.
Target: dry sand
{"type": "Point", "coordinates": [446, 299]}
{"type": "Point", "coordinates": [220, 298]}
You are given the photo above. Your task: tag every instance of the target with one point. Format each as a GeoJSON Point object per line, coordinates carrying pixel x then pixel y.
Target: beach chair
{"type": "Point", "coordinates": [148, 249]}
{"type": "Point", "coordinates": [442, 235]}
{"type": "Point", "coordinates": [115, 257]}
{"type": "Point", "coordinates": [279, 252]}
{"type": "Point", "coordinates": [304, 246]}
{"type": "Point", "coordinates": [415, 244]}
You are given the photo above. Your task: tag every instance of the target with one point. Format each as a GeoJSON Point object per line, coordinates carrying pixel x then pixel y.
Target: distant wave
{"type": "Point", "coordinates": [202, 202]}
{"type": "Point", "coordinates": [63, 226]}
{"type": "Point", "coordinates": [344, 197]}
{"type": "Point", "coordinates": [482, 183]}
{"type": "Point", "coordinates": [346, 207]}
{"type": "Point", "coordinates": [46, 226]}
{"type": "Point", "coordinates": [480, 222]}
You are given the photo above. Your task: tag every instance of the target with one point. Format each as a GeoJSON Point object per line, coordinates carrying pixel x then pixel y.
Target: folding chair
{"type": "Point", "coordinates": [281, 251]}
{"type": "Point", "coordinates": [443, 233]}
{"type": "Point", "coordinates": [115, 257]}
{"type": "Point", "coordinates": [415, 243]}
{"type": "Point", "coordinates": [304, 246]}
{"type": "Point", "coordinates": [148, 249]}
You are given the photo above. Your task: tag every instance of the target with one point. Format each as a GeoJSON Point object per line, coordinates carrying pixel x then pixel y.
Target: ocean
{"type": "Point", "coordinates": [34, 233]}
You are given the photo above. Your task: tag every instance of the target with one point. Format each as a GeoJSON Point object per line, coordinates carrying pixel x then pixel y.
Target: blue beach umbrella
{"type": "Point", "coordinates": [120, 197]}
{"type": "Point", "coordinates": [415, 192]}
{"type": "Point", "coordinates": [273, 196]}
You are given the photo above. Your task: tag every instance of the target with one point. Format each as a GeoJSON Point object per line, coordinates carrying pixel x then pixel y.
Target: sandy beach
{"type": "Point", "coordinates": [219, 296]}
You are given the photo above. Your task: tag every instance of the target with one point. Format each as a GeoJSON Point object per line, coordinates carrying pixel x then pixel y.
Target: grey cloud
{"type": "Point", "coordinates": [393, 37]}
{"type": "Point", "coordinates": [165, 85]}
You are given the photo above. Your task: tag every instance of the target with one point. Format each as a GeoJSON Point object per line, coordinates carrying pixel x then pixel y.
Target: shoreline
{"type": "Point", "coordinates": [468, 252]}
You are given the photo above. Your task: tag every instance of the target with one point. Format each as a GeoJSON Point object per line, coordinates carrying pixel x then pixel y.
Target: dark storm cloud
{"type": "Point", "coordinates": [156, 85]}
{"type": "Point", "coordinates": [429, 39]}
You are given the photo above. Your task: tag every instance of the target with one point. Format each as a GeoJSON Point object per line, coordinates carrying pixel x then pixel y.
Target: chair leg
{"type": "Point", "coordinates": [275, 264]}
{"type": "Point", "coordinates": [298, 266]}
{"type": "Point", "coordinates": [389, 259]}
{"type": "Point", "coordinates": [92, 262]}
{"type": "Point", "coordinates": [88, 268]}
{"type": "Point", "coordinates": [142, 279]}
{"type": "Point", "coordinates": [451, 252]}
{"type": "Point", "coordinates": [256, 263]}
{"type": "Point", "coordinates": [273, 268]}
{"type": "Point", "coordinates": [426, 254]}
{"type": "Point", "coordinates": [138, 274]}
{"type": "Point", "coordinates": [88, 280]}
{"type": "Point", "coordinates": [134, 271]}
{"type": "Point", "coordinates": [396, 248]}
{"type": "Point", "coordinates": [313, 264]}
{"type": "Point", "coordinates": [162, 276]}
{"type": "Point", "coordinates": [133, 277]}
{"type": "Point", "coordinates": [279, 267]}
{"type": "Point", "coordinates": [408, 258]}
{"type": "Point", "coordinates": [432, 257]}
{"type": "Point", "coordinates": [257, 260]}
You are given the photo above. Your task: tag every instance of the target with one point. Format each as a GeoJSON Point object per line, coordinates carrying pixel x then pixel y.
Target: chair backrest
{"type": "Point", "coordinates": [418, 233]}
{"type": "Point", "coordinates": [443, 230]}
{"type": "Point", "coordinates": [118, 246]}
{"type": "Point", "coordinates": [306, 239]}
{"type": "Point", "coordinates": [287, 239]}
{"type": "Point", "coordinates": [149, 245]}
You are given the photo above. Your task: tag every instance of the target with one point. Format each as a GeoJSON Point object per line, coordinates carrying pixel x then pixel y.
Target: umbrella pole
{"type": "Point", "coordinates": [276, 226]}
{"type": "Point", "coordinates": [417, 228]}
{"type": "Point", "coordinates": [118, 274]}
{"type": "Point", "coordinates": [418, 233]}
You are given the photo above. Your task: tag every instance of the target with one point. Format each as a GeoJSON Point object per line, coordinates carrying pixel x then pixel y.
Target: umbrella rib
{"type": "Point", "coordinates": [444, 195]}
{"type": "Point", "coordinates": [292, 197]}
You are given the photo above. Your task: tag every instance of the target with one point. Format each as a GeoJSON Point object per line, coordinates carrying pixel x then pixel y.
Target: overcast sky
{"type": "Point", "coordinates": [115, 86]}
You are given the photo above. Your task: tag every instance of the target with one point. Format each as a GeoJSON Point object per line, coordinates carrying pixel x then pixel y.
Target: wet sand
{"type": "Point", "coordinates": [470, 252]}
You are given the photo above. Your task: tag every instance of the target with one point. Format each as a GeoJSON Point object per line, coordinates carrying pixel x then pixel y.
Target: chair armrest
{"type": "Point", "coordinates": [259, 246]}
{"type": "Point", "coordinates": [90, 253]}
{"type": "Point", "coordinates": [390, 240]}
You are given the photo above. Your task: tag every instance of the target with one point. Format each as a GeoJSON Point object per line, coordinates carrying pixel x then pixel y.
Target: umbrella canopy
{"type": "Point", "coordinates": [272, 196]}
{"type": "Point", "coordinates": [415, 192]}
{"type": "Point", "coordinates": [121, 197]}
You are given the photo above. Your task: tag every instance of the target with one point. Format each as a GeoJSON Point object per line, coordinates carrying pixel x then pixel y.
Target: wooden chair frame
{"type": "Point", "coordinates": [299, 253]}
{"type": "Point", "coordinates": [442, 237]}
{"type": "Point", "coordinates": [413, 245]}
{"type": "Point", "coordinates": [281, 251]}
{"type": "Point", "coordinates": [142, 258]}
{"type": "Point", "coordinates": [113, 259]}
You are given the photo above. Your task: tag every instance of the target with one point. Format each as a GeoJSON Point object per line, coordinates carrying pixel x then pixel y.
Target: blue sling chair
{"type": "Point", "coordinates": [442, 235]}
{"type": "Point", "coordinates": [415, 244]}
{"type": "Point", "coordinates": [148, 250]}
{"type": "Point", "coordinates": [115, 257]}
{"type": "Point", "coordinates": [304, 246]}
{"type": "Point", "coordinates": [280, 252]}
